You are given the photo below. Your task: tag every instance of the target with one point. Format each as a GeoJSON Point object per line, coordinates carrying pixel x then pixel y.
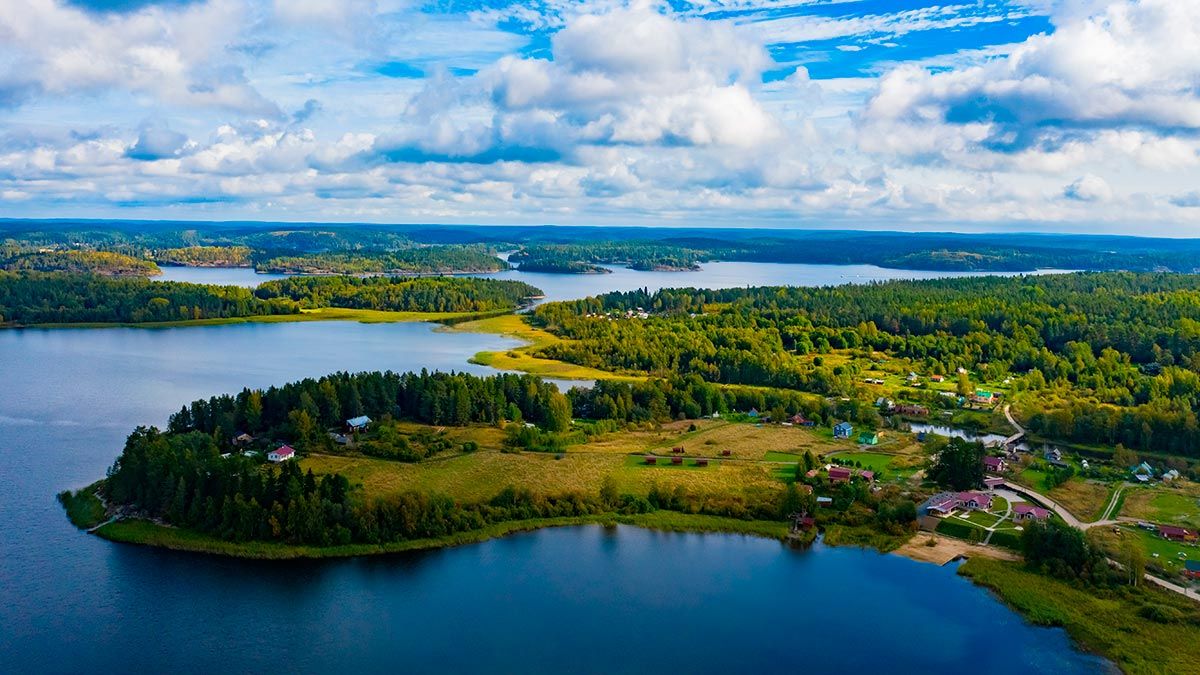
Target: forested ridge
{"type": "Point", "coordinates": [445, 259]}
{"type": "Point", "coordinates": [1122, 348]}
{"type": "Point", "coordinates": [28, 298]}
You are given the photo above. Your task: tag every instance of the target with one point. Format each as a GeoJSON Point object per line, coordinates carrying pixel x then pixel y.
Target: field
{"type": "Point", "coordinates": [752, 467]}
{"type": "Point", "coordinates": [1160, 552]}
{"type": "Point", "coordinates": [1111, 624]}
{"type": "Point", "coordinates": [522, 358]}
{"type": "Point", "coordinates": [1177, 505]}
{"type": "Point", "coordinates": [1085, 500]}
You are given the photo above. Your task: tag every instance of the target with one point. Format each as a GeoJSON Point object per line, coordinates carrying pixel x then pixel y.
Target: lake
{"type": "Point", "coordinates": [572, 600]}
{"type": "Point", "coordinates": [713, 275]}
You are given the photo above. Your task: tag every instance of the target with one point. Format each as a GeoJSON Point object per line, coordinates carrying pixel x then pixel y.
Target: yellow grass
{"type": "Point", "coordinates": [523, 359]}
{"type": "Point", "coordinates": [745, 441]}
{"type": "Point", "coordinates": [1084, 499]}
{"type": "Point", "coordinates": [1178, 504]}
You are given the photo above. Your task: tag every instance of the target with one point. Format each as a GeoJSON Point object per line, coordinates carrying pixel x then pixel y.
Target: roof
{"type": "Point", "coordinates": [839, 471]}
{"type": "Point", "coordinates": [1037, 511]}
{"type": "Point", "coordinates": [843, 425]}
{"type": "Point", "coordinates": [285, 450]}
{"type": "Point", "coordinates": [942, 501]}
{"type": "Point", "coordinates": [1192, 565]}
{"type": "Point", "coordinates": [977, 497]}
{"type": "Point", "coordinates": [869, 475]}
{"type": "Point", "coordinates": [993, 461]}
{"type": "Point", "coordinates": [1168, 530]}
{"type": "Point", "coordinates": [358, 421]}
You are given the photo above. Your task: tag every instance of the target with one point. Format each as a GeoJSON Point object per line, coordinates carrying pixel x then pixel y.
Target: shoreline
{"type": "Point", "coordinates": [146, 533]}
{"type": "Point", "coordinates": [304, 316]}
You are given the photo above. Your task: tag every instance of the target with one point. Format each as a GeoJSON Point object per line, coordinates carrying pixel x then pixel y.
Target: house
{"type": "Point", "coordinates": [243, 439]}
{"type": "Point", "coordinates": [1027, 512]}
{"type": "Point", "coordinates": [939, 504]}
{"type": "Point", "coordinates": [869, 476]}
{"type": "Point", "coordinates": [839, 474]}
{"type": "Point", "coordinates": [1143, 469]}
{"type": "Point", "coordinates": [1170, 476]}
{"type": "Point", "coordinates": [357, 423]}
{"type": "Point", "coordinates": [910, 409]}
{"type": "Point", "coordinates": [994, 464]}
{"type": "Point", "coordinates": [753, 412]}
{"type": "Point", "coordinates": [1191, 569]}
{"type": "Point", "coordinates": [1052, 455]}
{"type": "Point", "coordinates": [974, 501]}
{"type": "Point", "coordinates": [811, 473]}
{"type": "Point", "coordinates": [843, 430]}
{"type": "Point", "coordinates": [869, 438]}
{"type": "Point", "coordinates": [281, 454]}
{"type": "Point", "coordinates": [1174, 533]}
{"type": "Point", "coordinates": [937, 378]}
{"type": "Point", "coordinates": [826, 502]}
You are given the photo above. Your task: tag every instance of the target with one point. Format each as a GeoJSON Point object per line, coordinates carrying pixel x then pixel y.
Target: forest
{"type": "Point", "coordinates": [447, 259]}
{"type": "Point", "coordinates": [400, 294]}
{"type": "Point", "coordinates": [30, 298]}
{"type": "Point", "coordinates": [1121, 349]}
{"type": "Point", "coordinates": [106, 263]}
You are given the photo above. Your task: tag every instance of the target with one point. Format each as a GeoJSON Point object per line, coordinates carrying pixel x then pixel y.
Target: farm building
{"type": "Point", "coordinates": [281, 454]}
{"type": "Point", "coordinates": [839, 474]}
{"type": "Point", "coordinates": [1174, 533]}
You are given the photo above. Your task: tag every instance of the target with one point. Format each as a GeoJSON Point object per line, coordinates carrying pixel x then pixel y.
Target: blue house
{"type": "Point", "coordinates": [843, 430]}
{"type": "Point", "coordinates": [357, 423]}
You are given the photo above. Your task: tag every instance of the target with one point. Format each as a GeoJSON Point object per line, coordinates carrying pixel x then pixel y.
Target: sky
{"type": "Point", "coordinates": [1020, 115]}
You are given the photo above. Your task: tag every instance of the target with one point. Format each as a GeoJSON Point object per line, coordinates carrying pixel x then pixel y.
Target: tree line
{"type": "Point", "coordinates": [399, 294]}
{"type": "Point", "coordinates": [1116, 354]}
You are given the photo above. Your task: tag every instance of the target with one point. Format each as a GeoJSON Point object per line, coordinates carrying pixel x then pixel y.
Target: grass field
{"type": "Point", "coordinates": [1176, 505]}
{"type": "Point", "coordinates": [523, 359]}
{"type": "Point", "coordinates": [1166, 554]}
{"type": "Point", "coordinates": [1107, 623]}
{"type": "Point", "coordinates": [1084, 499]}
{"type": "Point", "coordinates": [325, 314]}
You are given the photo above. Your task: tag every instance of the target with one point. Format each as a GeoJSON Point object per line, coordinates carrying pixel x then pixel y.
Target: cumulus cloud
{"type": "Point", "coordinates": [1089, 188]}
{"type": "Point", "coordinates": [1125, 65]}
{"type": "Point", "coordinates": [157, 141]}
{"type": "Point", "coordinates": [172, 52]}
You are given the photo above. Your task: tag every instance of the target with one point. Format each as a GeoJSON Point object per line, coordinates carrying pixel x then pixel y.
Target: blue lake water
{"type": "Point", "coordinates": [571, 600]}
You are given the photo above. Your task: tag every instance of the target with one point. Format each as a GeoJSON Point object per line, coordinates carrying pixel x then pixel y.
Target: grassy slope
{"type": "Point", "coordinates": [147, 533]}
{"type": "Point", "coordinates": [84, 508]}
{"type": "Point", "coordinates": [1107, 625]}
{"type": "Point", "coordinates": [522, 358]}
{"type": "Point", "coordinates": [326, 314]}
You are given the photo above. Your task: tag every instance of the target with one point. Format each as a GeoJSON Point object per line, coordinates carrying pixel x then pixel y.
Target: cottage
{"type": "Point", "coordinates": [1174, 533]}
{"type": "Point", "coordinates": [799, 420]}
{"type": "Point", "coordinates": [1052, 454]}
{"type": "Point", "coordinates": [869, 476]}
{"type": "Point", "coordinates": [974, 501]}
{"type": "Point", "coordinates": [1027, 512]}
{"type": "Point", "coordinates": [839, 474]}
{"type": "Point", "coordinates": [994, 464]}
{"type": "Point", "coordinates": [843, 430]}
{"type": "Point", "coordinates": [243, 439]}
{"type": "Point", "coordinates": [753, 412]}
{"type": "Point", "coordinates": [357, 423]}
{"type": "Point", "coordinates": [1191, 569]}
{"type": "Point", "coordinates": [869, 438]}
{"type": "Point", "coordinates": [281, 454]}
{"type": "Point", "coordinates": [937, 378]}
{"type": "Point", "coordinates": [939, 504]}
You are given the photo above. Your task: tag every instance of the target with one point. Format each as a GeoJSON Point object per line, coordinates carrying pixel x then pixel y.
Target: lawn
{"type": "Point", "coordinates": [1159, 551]}
{"type": "Point", "coordinates": [1178, 505]}
{"type": "Point", "coordinates": [873, 461]}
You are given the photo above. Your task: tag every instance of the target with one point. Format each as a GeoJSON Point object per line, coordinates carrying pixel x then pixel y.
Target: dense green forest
{"type": "Point", "coordinates": [575, 248]}
{"type": "Point", "coordinates": [416, 260]}
{"type": "Point", "coordinates": [107, 263]}
{"type": "Point", "coordinates": [400, 294]}
{"type": "Point", "coordinates": [205, 256]}
{"type": "Point", "coordinates": [28, 298]}
{"type": "Point", "coordinates": [1123, 348]}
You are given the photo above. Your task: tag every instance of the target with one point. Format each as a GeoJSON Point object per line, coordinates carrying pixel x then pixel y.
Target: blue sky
{"type": "Point", "coordinates": [1078, 116]}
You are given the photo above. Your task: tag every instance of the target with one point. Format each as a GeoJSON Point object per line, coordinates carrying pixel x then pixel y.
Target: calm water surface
{"type": "Point", "coordinates": [570, 600]}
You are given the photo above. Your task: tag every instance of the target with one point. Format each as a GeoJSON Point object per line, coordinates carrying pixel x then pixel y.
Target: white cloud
{"type": "Point", "coordinates": [1088, 188]}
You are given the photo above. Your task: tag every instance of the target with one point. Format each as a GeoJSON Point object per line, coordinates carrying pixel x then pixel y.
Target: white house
{"type": "Point", "coordinates": [281, 454]}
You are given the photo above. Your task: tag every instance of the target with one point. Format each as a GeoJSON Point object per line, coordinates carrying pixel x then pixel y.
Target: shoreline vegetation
{"type": "Point", "coordinates": [45, 299]}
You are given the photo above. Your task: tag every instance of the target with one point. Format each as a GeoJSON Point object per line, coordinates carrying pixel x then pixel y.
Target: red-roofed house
{"type": "Point", "coordinates": [993, 464]}
{"type": "Point", "coordinates": [1176, 533]}
{"type": "Point", "coordinates": [281, 454]}
{"type": "Point", "coordinates": [974, 500]}
{"type": "Point", "coordinates": [839, 474]}
{"type": "Point", "coordinates": [1029, 512]}
{"type": "Point", "coordinates": [868, 475]}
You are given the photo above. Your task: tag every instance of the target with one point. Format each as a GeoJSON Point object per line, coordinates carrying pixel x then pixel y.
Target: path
{"type": "Point", "coordinates": [96, 527]}
{"type": "Point", "coordinates": [1112, 504]}
{"type": "Point", "coordinates": [1011, 420]}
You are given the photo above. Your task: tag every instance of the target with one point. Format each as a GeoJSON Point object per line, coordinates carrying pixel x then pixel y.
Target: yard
{"type": "Point", "coordinates": [1176, 505]}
